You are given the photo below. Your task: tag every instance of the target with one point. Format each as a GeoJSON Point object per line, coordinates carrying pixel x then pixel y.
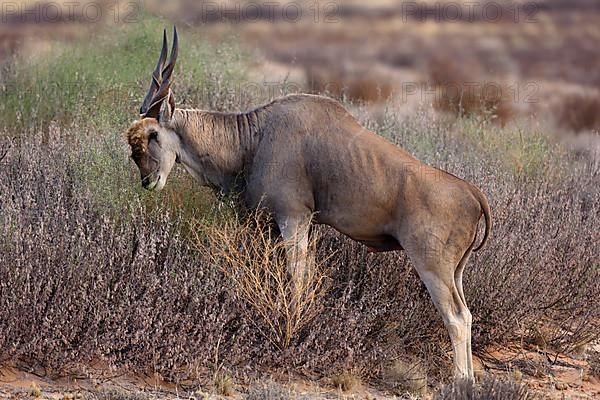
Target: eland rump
{"type": "Point", "coordinates": [303, 158]}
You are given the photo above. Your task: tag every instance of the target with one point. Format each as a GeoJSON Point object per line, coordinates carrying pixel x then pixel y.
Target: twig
{"type": "Point", "coordinates": [4, 152]}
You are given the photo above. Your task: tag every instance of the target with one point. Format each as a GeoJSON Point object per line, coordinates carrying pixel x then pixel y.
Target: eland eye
{"type": "Point", "coordinates": [153, 135]}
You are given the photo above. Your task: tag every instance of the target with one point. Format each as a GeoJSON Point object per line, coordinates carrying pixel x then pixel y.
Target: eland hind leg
{"type": "Point", "coordinates": [458, 281]}
{"type": "Point", "coordinates": [436, 265]}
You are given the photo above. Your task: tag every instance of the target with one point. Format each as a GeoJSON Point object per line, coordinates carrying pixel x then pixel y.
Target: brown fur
{"type": "Point", "coordinates": [137, 136]}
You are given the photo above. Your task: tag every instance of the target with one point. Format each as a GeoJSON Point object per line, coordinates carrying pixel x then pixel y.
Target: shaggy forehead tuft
{"type": "Point", "coordinates": [136, 135]}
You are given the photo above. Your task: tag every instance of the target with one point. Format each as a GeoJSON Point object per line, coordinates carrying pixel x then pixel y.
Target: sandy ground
{"type": "Point", "coordinates": [18, 384]}
{"type": "Point", "coordinates": [551, 375]}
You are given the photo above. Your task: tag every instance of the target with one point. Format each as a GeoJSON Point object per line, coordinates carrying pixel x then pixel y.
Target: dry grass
{"type": "Point", "coordinates": [224, 385]}
{"type": "Point", "coordinates": [594, 362]}
{"type": "Point", "coordinates": [346, 381]}
{"type": "Point", "coordinates": [490, 388]}
{"type": "Point", "coordinates": [35, 391]}
{"type": "Point", "coordinates": [247, 251]}
{"type": "Point", "coordinates": [556, 44]}
{"type": "Point", "coordinates": [270, 391]}
{"type": "Point", "coordinates": [115, 394]}
{"type": "Point", "coordinates": [133, 281]}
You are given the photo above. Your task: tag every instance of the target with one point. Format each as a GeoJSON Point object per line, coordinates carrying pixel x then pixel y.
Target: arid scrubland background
{"type": "Point", "coordinates": [107, 291]}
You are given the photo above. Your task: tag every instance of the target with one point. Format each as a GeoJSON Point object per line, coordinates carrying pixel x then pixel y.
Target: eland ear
{"type": "Point", "coordinates": [167, 109]}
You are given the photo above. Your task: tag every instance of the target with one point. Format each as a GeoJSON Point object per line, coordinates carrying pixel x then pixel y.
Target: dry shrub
{"type": "Point", "coordinates": [462, 90]}
{"type": "Point", "coordinates": [540, 335]}
{"type": "Point", "coordinates": [491, 388]}
{"type": "Point", "coordinates": [406, 376]}
{"type": "Point", "coordinates": [94, 284]}
{"type": "Point", "coordinates": [579, 111]}
{"type": "Point", "coordinates": [250, 255]}
{"type": "Point", "coordinates": [140, 296]}
{"type": "Point", "coordinates": [511, 287]}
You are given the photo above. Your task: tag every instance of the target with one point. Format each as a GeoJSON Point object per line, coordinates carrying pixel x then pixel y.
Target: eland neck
{"type": "Point", "coordinates": [216, 148]}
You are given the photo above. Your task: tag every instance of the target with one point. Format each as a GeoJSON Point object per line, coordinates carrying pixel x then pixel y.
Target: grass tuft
{"type": "Point", "coordinates": [406, 377]}
{"type": "Point", "coordinates": [346, 381]}
{"type": "Point", "coordinates": [224, 384]}
{"type": "Point", "coordinates": [251, 257]}
{"type": "Point", "coordinates": [35, 391]}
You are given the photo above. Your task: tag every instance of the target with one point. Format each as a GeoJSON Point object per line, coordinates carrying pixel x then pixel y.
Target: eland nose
{"type": "Point", "coordinates": [146, 182]}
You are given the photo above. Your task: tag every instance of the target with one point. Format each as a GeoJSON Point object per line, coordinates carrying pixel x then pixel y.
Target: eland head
{"type": "Point", "coordinates": [154, 143]}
